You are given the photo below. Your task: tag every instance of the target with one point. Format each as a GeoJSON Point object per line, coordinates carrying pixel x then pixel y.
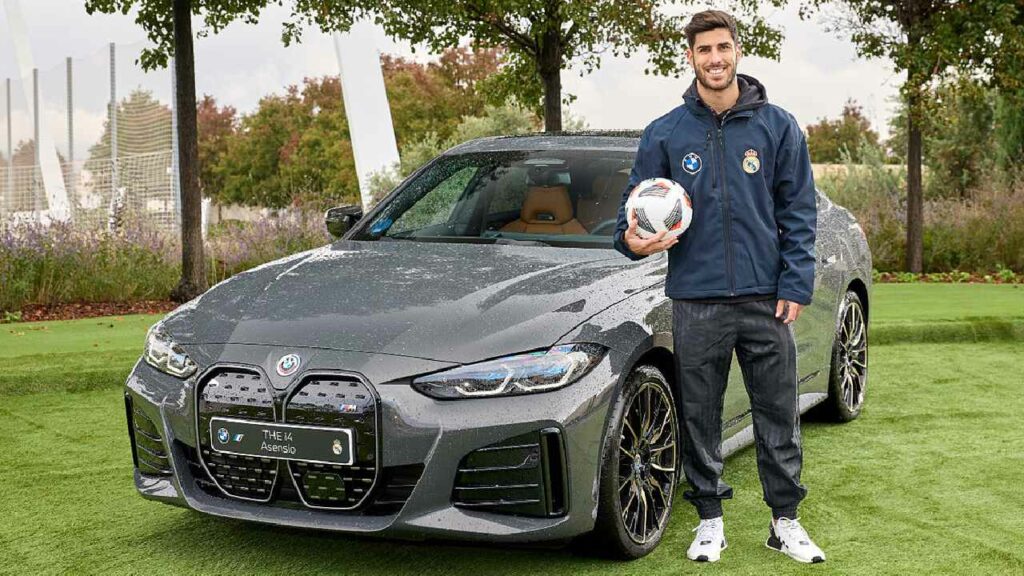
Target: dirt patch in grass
{"type": "Point", "coordinates": [37, 313]}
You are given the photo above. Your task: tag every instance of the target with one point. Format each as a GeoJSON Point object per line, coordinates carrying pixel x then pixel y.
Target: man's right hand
{"type": "Point", "coordinates": [646, 247]}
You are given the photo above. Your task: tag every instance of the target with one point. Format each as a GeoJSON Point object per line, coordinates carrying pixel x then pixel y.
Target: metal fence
{"type": "Point", "coordinates": [112, 127]}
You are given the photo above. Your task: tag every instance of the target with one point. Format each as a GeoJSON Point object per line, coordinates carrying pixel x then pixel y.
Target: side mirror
{"type": "Point", "coordinates": [341, 219]}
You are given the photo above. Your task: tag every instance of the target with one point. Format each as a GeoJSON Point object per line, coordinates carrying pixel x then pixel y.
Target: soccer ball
{"type": "Point", "coordinates": [660, 204]}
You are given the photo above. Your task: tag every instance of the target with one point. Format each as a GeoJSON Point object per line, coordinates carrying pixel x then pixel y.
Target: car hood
{"type": "Point", "coordinates": [447, 302]}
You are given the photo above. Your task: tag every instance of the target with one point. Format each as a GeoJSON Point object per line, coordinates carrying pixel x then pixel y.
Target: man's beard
{"type": "Point", "coordinates": [702, 75]}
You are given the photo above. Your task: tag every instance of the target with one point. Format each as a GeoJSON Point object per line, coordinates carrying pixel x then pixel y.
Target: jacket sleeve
{"type": "Point", "coordinates": [796, 215]}
{"type": "Point", "coordinates": [650, 162]}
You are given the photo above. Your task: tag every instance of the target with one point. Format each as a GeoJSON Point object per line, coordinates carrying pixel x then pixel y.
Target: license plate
{"type": "Point", "coordinates": [282, 441]}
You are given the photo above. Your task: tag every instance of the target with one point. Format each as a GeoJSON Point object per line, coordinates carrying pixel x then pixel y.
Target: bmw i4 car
{"type": "Point", "coordinates": [470, 360]}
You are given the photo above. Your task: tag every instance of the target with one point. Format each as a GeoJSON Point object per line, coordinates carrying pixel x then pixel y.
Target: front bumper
{"type": "Point", "coordinates": [422, 443]}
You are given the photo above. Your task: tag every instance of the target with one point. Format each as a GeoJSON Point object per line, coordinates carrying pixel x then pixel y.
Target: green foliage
{"type": "Point", "coordinates": [136, 263]}
{"type": "Point", "coordinates": [980, 235]}
{"type": "Point", "coordinates": [1008, 133]}
{"type": "Point", "coordinates": [495, 121]}
{"type": "Point", "coordinates": [295, 149]}
{"type": "Point", "coordinates": [542, 37]}
{"type": "Point", "coordinates": [957, 130]}
{"type": "Point", "coordinates": [155, 17]}
{"type": "Point", "coordinates": [828, 139]}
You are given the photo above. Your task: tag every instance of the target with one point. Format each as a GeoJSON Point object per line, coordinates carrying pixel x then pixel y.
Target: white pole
{"type": "Point", "coordinates": [53, 179]}
{"type": "Point", "coordinates": [366, 104]}
{"type": "Point", "coordinates": [71, 131]}
{"type": "Point", "coordinates": [113, 122]}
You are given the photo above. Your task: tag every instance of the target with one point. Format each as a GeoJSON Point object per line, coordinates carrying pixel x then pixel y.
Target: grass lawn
{"type": "Point", "coordinates": [73, 355]}
{"type": "Point", "coordinates": [926, 481]}
{"type": "Point", "coordinates": [905, 303]}
{"type": "Point", "coordinates": [943, 313]}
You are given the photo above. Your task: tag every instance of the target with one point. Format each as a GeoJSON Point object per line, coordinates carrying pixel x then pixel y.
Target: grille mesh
{"type": "Point", "coordinates": [235, 393]}
{"type": "Point", "coordinates": [342, 402]}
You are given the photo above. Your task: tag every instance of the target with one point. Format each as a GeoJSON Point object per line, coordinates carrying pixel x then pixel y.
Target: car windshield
{"type": "Point", "coordinates": [544, 198]}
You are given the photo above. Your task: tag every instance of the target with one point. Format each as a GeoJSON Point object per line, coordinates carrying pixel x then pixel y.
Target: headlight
{"type": "Point", "coordinates": [513, 375]}
{"type": "Point", "coordinates": [166, 356]}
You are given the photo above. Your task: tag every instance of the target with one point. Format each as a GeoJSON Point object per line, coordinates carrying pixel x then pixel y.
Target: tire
{"type": "Point", "coordinates": [848, 375]}
{"type": "Point", "coordinates": [653, 468]}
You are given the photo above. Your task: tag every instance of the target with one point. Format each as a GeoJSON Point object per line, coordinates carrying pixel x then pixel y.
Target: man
{"type": "Point", "coordinates": [738, 277]}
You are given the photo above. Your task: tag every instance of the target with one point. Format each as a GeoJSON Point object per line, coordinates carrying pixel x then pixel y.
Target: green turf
{"type": "Point", "coordinates": [908, 303]}
{"type": "Point", "coordinates": [73, 355]}
{"type": "Point", "coordinates": [927, 481]}
{"type": "Point", "coordinates": [946, 313]}
{"type": "Point", "coordinates": [85, 335]}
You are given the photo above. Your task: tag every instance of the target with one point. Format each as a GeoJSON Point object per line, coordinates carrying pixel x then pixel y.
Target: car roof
{"type": "Point", "coordinates": [626, 140]}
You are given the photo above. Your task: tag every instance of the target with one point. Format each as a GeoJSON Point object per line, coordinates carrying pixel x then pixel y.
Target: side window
{"type": "Point", "coordinates": [435, 206]}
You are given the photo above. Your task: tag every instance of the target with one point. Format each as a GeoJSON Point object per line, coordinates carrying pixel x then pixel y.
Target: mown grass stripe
{"type": "Point", "coordinates": [957, 331]}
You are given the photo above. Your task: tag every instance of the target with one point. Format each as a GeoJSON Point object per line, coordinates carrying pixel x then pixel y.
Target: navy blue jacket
{"type": "Point", "coordinates": [748, 174]}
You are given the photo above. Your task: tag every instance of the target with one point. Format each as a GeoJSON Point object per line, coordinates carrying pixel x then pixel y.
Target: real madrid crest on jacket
{"type": "Point", "coordinates": [748, 174]}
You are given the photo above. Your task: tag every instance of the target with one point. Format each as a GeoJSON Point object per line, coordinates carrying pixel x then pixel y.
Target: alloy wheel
{"type": "Point", "coordinates": [853, 356]}
{"type": "Point", "coordinates": [647, 462]}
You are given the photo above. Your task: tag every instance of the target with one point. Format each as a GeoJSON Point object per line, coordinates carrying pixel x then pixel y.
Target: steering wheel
{"type": "Point", "coordinates": [610, 223]}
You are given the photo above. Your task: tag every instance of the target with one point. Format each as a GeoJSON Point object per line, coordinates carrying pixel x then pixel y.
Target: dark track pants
{"type": "Point", "coordinates": [704, 337]}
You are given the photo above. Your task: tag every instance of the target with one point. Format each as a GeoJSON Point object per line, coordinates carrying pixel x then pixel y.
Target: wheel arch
{"type": "Point", "coordinates": [861, 289]}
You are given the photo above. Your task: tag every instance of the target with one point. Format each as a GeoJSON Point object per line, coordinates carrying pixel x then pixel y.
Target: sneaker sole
{"type": "Point", "coordinates": [704, 557]}
{"type": "Point", "coordinates": [773, 543]}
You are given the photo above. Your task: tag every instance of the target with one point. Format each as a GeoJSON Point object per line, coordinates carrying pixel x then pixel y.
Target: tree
{"type": "Point", "coordinates": [434, 96]}
{"type": "Point", "coordinates": [168, 24]}
{"type": "Point", "coordinates": [928, 40]}
{"type": "Point", "coordinates": [542, 37]}
{"type": "Point", "coordinates": [829, 139]}
{"type": "Point", "coordinates": [216, 126]}
{"type": "Point", "coordinates": [958, 143]}
{"type": "Point", "coordinates": [295, 148]}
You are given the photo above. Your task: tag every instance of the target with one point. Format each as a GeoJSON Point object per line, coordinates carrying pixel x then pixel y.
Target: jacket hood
{"type": "Point", "coordinates": [752, 94]}
{"type": "Point", "coordinates": [447, 302]}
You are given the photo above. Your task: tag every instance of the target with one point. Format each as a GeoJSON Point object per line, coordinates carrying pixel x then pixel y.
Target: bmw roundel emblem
{"type": "Point", "coordinates": [691, 163]}
{"type": "Point", "coordinates": [287, 365]}
{"type": "Point", "coordinates": [223, 435]}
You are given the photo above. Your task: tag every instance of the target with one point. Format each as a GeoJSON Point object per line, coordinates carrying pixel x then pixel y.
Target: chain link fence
{"type": "Point", "coordinates": [113, 129]}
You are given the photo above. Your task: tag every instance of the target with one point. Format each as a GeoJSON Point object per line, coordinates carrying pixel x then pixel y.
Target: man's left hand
{"type": "Point", "coordinates": [788, 311]}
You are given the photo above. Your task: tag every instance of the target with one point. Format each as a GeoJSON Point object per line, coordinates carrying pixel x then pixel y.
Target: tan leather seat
{"type": "Point", "coordinates": [602, 203]}
{"type": "Point", "coordinates": [546, 210]}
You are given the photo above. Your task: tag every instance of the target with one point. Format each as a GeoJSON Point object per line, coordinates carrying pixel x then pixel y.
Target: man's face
{"type": "Point", "coordinates": [714, 56]}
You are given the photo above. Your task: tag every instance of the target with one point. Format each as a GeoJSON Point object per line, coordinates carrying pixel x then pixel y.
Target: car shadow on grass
{"type": "Point", "coordinates": [200, 543]}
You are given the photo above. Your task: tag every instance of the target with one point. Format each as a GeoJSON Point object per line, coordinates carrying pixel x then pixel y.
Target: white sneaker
{"type": "Point", "coordinates": [790, 538]}
{"type": "Point", "coordinates": [709, 542]}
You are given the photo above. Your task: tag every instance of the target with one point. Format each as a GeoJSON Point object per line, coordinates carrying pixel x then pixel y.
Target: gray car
{"type": "Point", "coordinates": [471, 360]}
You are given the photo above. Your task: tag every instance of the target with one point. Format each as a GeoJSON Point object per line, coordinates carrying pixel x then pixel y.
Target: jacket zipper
{"type": "Point", "coordinates": [726, 219]}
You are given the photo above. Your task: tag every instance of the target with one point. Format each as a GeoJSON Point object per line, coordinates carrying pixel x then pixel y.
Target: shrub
{"type": "Point", "coordinates": [62, 264]}
{"type": "Point", "coordinates": [59, 263]}
{"type": "Point", "coordinates": [982, 234]}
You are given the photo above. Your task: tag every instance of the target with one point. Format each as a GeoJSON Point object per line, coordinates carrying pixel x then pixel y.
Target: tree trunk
{"type": "Point", "coordinates": [915, 195]}
{"type": "Point", "coordinates": [193, 273]}
{"type": "Point", "coordinates": [550, 67]}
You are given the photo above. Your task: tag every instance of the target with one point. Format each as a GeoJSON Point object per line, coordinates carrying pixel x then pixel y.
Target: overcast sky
{"type": "Point", "coordinates": [817, 73]}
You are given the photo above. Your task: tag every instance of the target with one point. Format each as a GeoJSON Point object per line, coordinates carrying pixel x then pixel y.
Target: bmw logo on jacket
{"type": "Point", "coordinates": [748, 173]}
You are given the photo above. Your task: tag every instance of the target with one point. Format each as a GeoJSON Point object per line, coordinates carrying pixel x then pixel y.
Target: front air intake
{"type": "Point", "coordinates": [525, 475]}
{"type": "Point", "coordinates": [148, 450]}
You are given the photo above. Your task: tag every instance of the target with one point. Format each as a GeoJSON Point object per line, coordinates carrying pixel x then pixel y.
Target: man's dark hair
{"type": "Point", "coordinates": [710, 20]}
